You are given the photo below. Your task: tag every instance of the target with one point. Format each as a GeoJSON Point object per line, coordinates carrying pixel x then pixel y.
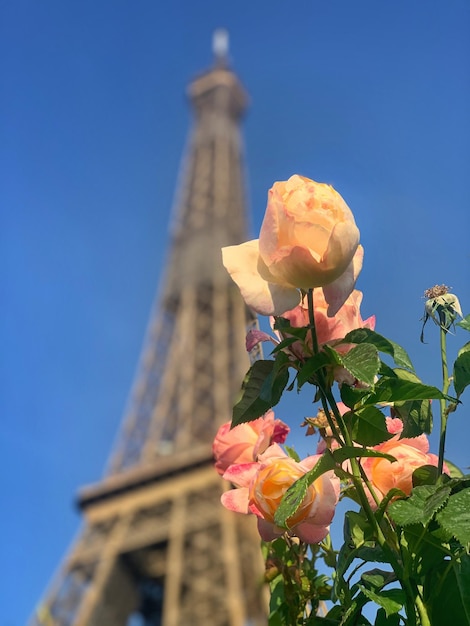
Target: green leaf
{"type": "Point", "coordinates": [276, 381]}
{"type": "Point", "coordinates": [397, 390]}
{"type": "Point", "coordinates": [294, 496]}
{"type": "Point", "coordinates": [286, 343]}
{"type": "Point", "coordinates": [465, 323]}
{"type": "Point", "coordinates": [425, 475]}
{"type": "Point", "coordinates": [365, 335]}
{"type": "Point", "coordinates": [350, 452]}
{"type": "Point", "coordinates": [378, 578]}
{"type": "Point", "coordinates": [261, 389]}
{"type": "Point", "coordinates": [462, 576]}
{"type": "Point", "coordinates": [314, 363]}
{"type": "Point", "coordinates": [382, 619]}
{"type": "Point", "coordinates": [390, 600]}
{"type": "Point", "coordinates": [455, 517]}
{"type": "Point", "coordinates": [292, 453]}
{"type": "Point", "coordinates": [455, 472]}
{"type": "Point", "coordinates": [283, 325]}
{"type": "Point", "coordinates": [453, 584]}
{"type": "Point", "coordinates": [362, 362]}
{"type": "Point", "coordinates": [420, 507]}
{"type": "Point", "coordinates": [416, 415]}
{"type": "Point", "coordinates": [462, 369]}
{"type": "Point", "coordinates": [369, 427]}
{"type": "Point", "coordinates": [352, 396]}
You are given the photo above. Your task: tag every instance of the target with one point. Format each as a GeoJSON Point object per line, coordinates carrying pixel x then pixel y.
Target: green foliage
{"type": "Point", "coordinates": [261, 389]}
{"type": "Point", "coordinates": [455, 518]}
{"type": "Point", "coordinates": [368, 426]}
{"type": "Point", "coordinates": [362, 362]}
{"type": "Point", "coordinates": [464, 323]}
{"type": "Point", "coordinates": [462, 370]}
{"type": "Point", "coordinates": [364, 335]}
{"type": "Point", "coordinates": [311, 366]}
{"type": "Point", "coordinates": [420, 507]}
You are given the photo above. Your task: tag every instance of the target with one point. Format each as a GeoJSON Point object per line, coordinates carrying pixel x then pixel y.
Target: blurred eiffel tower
{"type": "Point", "coordinates": [157, 547]}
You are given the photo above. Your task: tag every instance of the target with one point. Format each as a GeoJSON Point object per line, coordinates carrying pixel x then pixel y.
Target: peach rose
{"type": "Point", "coordinates": [262, 486]}
{"type": "Point", "coordinates": [245, 442]}
{"type": "Point", "coordinates": [409, 453]}
{"type": "Point", "coordinates": [308, 239]}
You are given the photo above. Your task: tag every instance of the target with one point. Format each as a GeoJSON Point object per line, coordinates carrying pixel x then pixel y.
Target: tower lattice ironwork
{"type": "Point", "coordinates": [157, 547]}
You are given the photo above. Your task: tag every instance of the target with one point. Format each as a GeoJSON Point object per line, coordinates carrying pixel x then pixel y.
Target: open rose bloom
{"type": "Point", "coordinates": [308, 239]}
{"type": "Point", "coordinates": [410, 454]}
{"type": "Point", "coordinates": [261, 486]}
{"type": "Point", "coordinates": [245, 442]}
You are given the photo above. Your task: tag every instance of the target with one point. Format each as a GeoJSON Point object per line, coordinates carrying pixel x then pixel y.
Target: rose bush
{"type": "Point", "coordinates": [243, 443]}
{"type": "Point", "coordinates": [262, 485]}
{"type": "Point", "coordinates": [308, 239]}
{"type": "Point", "coordinates": [409, 454]}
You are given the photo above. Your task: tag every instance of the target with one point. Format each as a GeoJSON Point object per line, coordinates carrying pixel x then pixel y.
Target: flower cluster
{"type": "Point", "coordinates": [301, 272]}
{"type": "Point", "coordinates": [262, 474]}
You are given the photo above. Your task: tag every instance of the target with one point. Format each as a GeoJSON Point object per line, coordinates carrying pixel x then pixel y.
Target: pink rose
{"type": "Point", "coordinates": [409, 453]}
{"type": "Point", "coordinates": [329, 329]}
{"type": "Point", "coordinates": [245, 442]}
{"type": "Point", "coordinates": [308, 239]}
{"type": "Point", "coordinates": [261, 487]}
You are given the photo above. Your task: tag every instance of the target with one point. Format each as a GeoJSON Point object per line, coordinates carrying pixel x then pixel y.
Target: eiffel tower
{"type": "Point", "coordinates": [156, 547]}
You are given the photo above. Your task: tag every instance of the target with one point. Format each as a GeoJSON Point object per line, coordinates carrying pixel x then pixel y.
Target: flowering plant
{"type": "Point", "coordinates": [407, 535]}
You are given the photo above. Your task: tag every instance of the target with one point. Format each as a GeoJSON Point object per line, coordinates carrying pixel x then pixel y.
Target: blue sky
{"type": "Point", "coordinates": [370, 97]}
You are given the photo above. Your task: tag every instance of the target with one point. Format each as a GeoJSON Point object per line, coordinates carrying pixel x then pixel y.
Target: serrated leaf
{"type": "Point", "coordinates": [416, 415]}
{"type": "Point", "coordinates": [313, 364]}
{"type": "Point", "coordinates": [462, 369]}
{"type": "Point", "coordinates": [397, 390]}
{"type": "Point", "coordinates": [391, 600]}
{"type": "Point", "coordinates": [294, 496]}
{"type": "Point", "coordinates": [369, 427]}
{"type": "Point", "coordinates": [276, 381]}
{"type": "Point", "coordinates": [362, 362]}
{"type": "Point", "coordinates": [455, 517]}
{"type": "Point", "coordinates": [352, 396]}
{"type": "Point", "coordinates": [365, 335]}
{"type": "Point", "coordinates": [420, 507]}
{"type": "Point", "coordinates": [341, 455]}
{"type": "Point", "coordinates": [425, 475]}
{"type": "Point", "coordinates": [464, 323]}
{"type": "Point", "coordinates": [249, 405]}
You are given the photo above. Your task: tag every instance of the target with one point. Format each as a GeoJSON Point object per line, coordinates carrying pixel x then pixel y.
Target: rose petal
{"type": "Point", "coordinates": [236, 500]}
{"type": "Point", "coordinates": [242, 263]}
{"type": "Point", "coordinates": [310, 533]}
{"type": "Point", "coordinates": [337, 292]}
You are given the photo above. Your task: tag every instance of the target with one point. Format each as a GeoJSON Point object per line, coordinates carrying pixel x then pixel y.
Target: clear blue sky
{"type": "Point", "coordinates": [373, 97]}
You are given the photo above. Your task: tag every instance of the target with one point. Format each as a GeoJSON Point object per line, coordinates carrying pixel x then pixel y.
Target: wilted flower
{"type": "Point", "coordinates": [441, 306]}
